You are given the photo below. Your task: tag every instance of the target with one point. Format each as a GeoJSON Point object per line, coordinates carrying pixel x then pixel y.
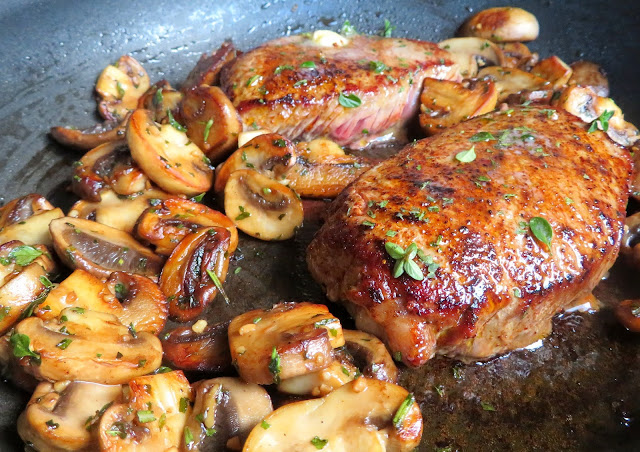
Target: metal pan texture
{"type": "Point", "coordinates": [579, 390]}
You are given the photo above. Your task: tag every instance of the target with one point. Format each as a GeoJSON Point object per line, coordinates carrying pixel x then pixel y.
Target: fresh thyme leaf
{"type": "Point", "coordinates": [218, 285]}
{"type": "Point", "coordinates": [175, 124]}
{"type": "Point", "coordinates": [403, 410]}
{"type": "Point", "coordinates": [467, 156]}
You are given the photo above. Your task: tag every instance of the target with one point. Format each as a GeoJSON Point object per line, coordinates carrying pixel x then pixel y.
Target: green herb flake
{"type": "Point", "coordinates": [467, 156]}
{"type": "Point", "coordinates": [487, 406]}
{"type": "Point", "coordinates": [158, 98]}
{"type": "Point", "coordinates": [188, 436]}
{"type": "Point", "coordinates": [175, 124]}
{"type": "Point", "coordinates": [439, 389]}
{"type": "Point", "coordinates": [319, 443]}
{"type": "Point", "coordinates": [162, 421]}
{"type": "Point", "coordinates": [184, 404]}
{"type": "Point", "coordinates": [117, 429]}
{"type": "Point", "coordinates": [388, 29]}
{"type": "Point", "coordinates": [218, 285]}
{"type": "Point", "coordinates": [541, 229]}
{"type": "Point", "coordinates": [20, 345]}
{"type": "Point", "coordinates": [348, 29]}
{"type": "Point", "coordinates": [52, 425]}
{"type": "Point", "coordinates": [403, 410]}
{"type": "Point", "coordinates": [274, 366]}
{"type": "Point", "coordinates": [145, 416]}
{"type": "Point", "coordinates": [243, 214]}
{"type": "Point", "coordinates": [132, 331]}
{"type": "Point", "coordinates": [63, 344]}
{"type": "Point", "coordinates": [378, 67]}
{"type": "Point", "coordinates": [279, 69]}
{"type": "Point", "coordinates": [253, 80]}
{"type": "Point", "coordinates": [601, 121]}
{"type": "Point", "coordinates": [482, 136]}
{"type": "Point", "coordinates": [264, 424]}
{"type": "Point", "coordinates": [308, 65]}
{"type": "Point", "coordinates": [349, 100]}
{"type": "Point", "coordinates": [207, 129]}
{"type": "Point", "coordinates": [300, 83]}
{"type": "Point", "coordinates": [23, 255]}
{"type": "Point", "coordinates": [121, 90]}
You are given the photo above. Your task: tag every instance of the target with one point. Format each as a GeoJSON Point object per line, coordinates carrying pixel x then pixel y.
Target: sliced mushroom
{"type": "Point", "coordinates": [24, 283]}
{"type": "Point", "coordinates": [588, 106]}
{"type": "Point", "coordinates": [84, 345]}
{"type": "Point", "coordinates": [471, 53]}
{"type": "Point", "coordinates": [20, 209]}
{"type": "Point", "coordinates": [370, 355]}
{"type": "Point", "coordinates": [91, 137]}
{"type": "Point", "coordinates": [518, 55]}
{"type": "Point", "coordinates": [11, 371]}
{"type": "Point", "coordinates": [154, 417]}
{"type": "Point", "coordinates": [159, 99]}
{"type": "Point", "coordinates": [225, 408]}
{"type": "Point", "coordinates": [80, 289]}
{"type": "Point", "coordinates": [212, 121]}
{"type": "Point", "coordinates": [590, 75]}
{"type": "Point", "coordinates": [207, 70]}
{"type": "Point", "coordinates": [630, 245]}
{"type": "Point", "coordinates": [323, 170]}
{"type": "Point", "coordinates": [59, 417]}
{"type": "Point", "coordinates": [321, 382]}
{"type": "Point", "coordinates": [108, 166]}
{"type": "Point", "coordinates": [513, 81]}
{"type": "Point", "coordinates": [195, 272]}
{"type": "Point", "coordinates": [291, 339]}
{"type": "Point", "coordinates": [628, 313]}
{"type": "Point", "coordinates": [502, 24]}
{"type": "Point", "coordinates": [119, 87]}
{"type": "Point", "coordinates": [262, 207]}
{"type": "Point", "coordinates": [118, 211]}
{"type": "Point", "coordinates": [33, 230]}
{"type": "Point", "coordinates": [269, 154]}
{"type": "Point", "coordinates": [100, 249]}
{"type": "Point", "coordinates": [167, 222]}
{"type": "Point", "coordinates": [143, 304]}
{"type": "Point", "coordinates": [248, 135]}
{"type": "Point", "coordinates": [554, 70]}
{"type": "Point", "coordinates": [167, 155]}
{"type": "Point", "coordinates": [444, 103]}
{"type": "Point", "coordinates": [362, 415]}
{"type": "Point", "coordinates": [205, 351]}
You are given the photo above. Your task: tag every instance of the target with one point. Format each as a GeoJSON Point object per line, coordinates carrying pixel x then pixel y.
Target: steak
{"type": "Point", "coordinates": [272, 89]}
{"type": "Point", "coordinates": [490, 284]}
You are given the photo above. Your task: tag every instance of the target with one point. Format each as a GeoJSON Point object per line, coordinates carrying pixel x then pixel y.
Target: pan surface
{"type": "Point", "coordinates": [579, 391]}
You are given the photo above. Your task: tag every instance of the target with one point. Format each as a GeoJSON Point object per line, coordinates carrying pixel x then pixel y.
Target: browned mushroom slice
{"type": "Point", "coordinates": [100, 249]}
{"type": "Point", "coordinates": [518, 55]}
{"type": "Point", "coordinates": [370, 355]}
{"type": "Point", "coordinates": [291, 339]}
{"type": "Point", "coordinates": [144, 306]}
{"type": "Point", "coordinates": [262, 207]}
{"type": "Point", "coordinates": [84, 345]}
{"type": "Point", "coordinates": [502, 24]}
{"type": "Point", "coordinates": [207, 70]}
{"type": "Point", "coordinates": [211, 120]}
{"type": "Point", "coordinates": [195, 272]}
{"type": "Point", "coordinates": [363, 415]}
{"type": "Point", "coordinates": [205, 350]}
{"type": "Point", "coordinates": [472, 53]}
{"type": "Point", "coordinates": [591, 75]}
{"type": "Point", "coordinates": [513, 81]}
{"type": "Point", "coordinates": [33, 230]}
{"type": "Point", "coordinates": [553, 69]}
{"type": "Point", "coordinates": [152, 420]}
{"type": "Point", "coordinates": [321, 382]}
{"type": "Point", "coordinates": [225, 409]}
{"type": "Point", "coordinates": [444, 103]}
{"type": "Point", "coordinates": [601, 112]}
{"type": "Point", "coordinates": [118, 211]}
{"type": "Point", "coordinates": [119, 87]}
{"type": "Point", "coordinates": [160, 99]}
{"type": "Point", "coordinates": [91, 137]}
{"type": "Point", "coordinates": [59, 415]}
{"type": "Point", "coordinates": [167, 156]}
{"type": "Point", "coordinates": [167, 222]}
{"type": "Point", "coordinates": [79, 289]}
{"type": "Point", "coordinates": [23, 280]}
{"type": "Point", "coordinates": [628, 313]}
{"type": "Point", "coordinates": [269, 154]}
{"type": "Point", "coordinates": [20, 209]}
{"type": "Point", "coordinates": [323, 171]}
{"type": "Point", "coordinates": [630, 246]}
{"type": "Point", "coordinates": [108, 165]}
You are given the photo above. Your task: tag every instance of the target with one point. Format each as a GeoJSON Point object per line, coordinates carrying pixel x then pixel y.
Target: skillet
{"type": "Point", "coordinates": [579, 391]}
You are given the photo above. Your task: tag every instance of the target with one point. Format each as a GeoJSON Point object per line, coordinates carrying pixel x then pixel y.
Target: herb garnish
{"type": "Point", "coordinates": [541, 229]}
{"type": "Point", "coordinates": [601, 121]}
{"type": "Point", "coordinates": [349, 100]}
{"type": "Point", "coordinates": [218, 284]}
{"type": "Point", "coordinates": [319, 443]}
{"type": "Point", "coordinates": [274, 366]}
{"type": "Point", "coordinates": [404, 260]}
{"type": "Point", "coordinates": [145, 416]}
{"type": "Point", "coordinates": [388, 29]}
{"type": "Point", "coordinates": [20, 344]}
{"type": "Point", "coordinates": [403, 410]}
{"type": "Point", "coordinates": [175, 124]}
{"type": "Point", "coordinates": [308, 64]}
{"type": "Point", "coordinates": [22, 255]}
{"type": "Point", "coordinates": [348, 29]}
{"type": "Point", "coordinates": [482, 136]}
{"type": "Point", "coordinates": [467, 156]}
{"type": "Point", "coordinates": [207, 129]}
{"type": "Point", "coordinates": [279, 69]}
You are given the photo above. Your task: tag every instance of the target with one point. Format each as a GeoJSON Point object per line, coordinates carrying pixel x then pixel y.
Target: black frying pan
{"type": "Point", "coordinates": [579, 391]}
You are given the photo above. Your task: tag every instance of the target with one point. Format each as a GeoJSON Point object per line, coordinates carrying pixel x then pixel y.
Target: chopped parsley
{"type": "Point", "coordinates": [175, 124]}
{"type": "Point", "coordinates": [274, 366]}
{"type": "Point", "coordinates": [319, 443]}
{"type": "Point", "coordinates": [207, 129]}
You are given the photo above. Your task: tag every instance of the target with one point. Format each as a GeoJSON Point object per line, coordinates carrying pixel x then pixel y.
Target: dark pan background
{"type": "Point", "coordinates": [580, 391]}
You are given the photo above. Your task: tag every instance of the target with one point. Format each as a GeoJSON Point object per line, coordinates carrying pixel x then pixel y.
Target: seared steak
{"type": "Point", "coordinates": [292, 85]}
{"type": "Point", "coordinates": [493, 286]}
